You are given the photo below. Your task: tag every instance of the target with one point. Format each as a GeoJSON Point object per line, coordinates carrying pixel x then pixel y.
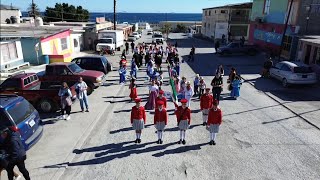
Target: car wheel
{"type": "Point", "coordinates": [285, 82]}
{"type": "Point", "coordinates": [46, 105]}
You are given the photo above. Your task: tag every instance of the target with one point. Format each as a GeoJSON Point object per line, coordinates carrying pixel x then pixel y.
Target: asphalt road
{"type": "Point", "coordinates": [259, 137]}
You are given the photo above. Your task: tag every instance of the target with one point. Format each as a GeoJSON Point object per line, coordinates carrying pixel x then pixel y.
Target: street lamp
{"type": "Point", "coordinates": [308, 9]}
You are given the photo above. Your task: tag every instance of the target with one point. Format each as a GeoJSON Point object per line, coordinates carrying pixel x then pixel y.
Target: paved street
{"type": "Point", "coordinates": [268, 133]}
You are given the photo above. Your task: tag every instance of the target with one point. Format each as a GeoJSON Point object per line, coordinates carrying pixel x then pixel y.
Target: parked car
{"type": "Point", "coordinates": [136, 34]}
{"type": "Point", "coordinates": [132, 38]}
{"type": "Point", "coordinates": [56, 73]}
{"type": "Point", "coordinates": [29, 86]}
{"type": "Point", "coordinates": [157, 38]}
{"type": "Point", "coordinates": [97, 63]}
{"type": "Point", "coordinates": [19, 115]}
{"type": "Point", "coordinates": [293, 73]}
{"type": "Point", "coordinates": [238, 48]}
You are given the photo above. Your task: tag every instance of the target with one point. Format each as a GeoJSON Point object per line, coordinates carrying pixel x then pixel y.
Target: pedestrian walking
{"type": "Point", "coordinates": [81, 89]}
{"type": "Point", "coordinates": [206, 101]}
{"type": "Point", "coordinates": [138, 119]}
{"type": "Point", "coordinates": [196, 83]}
{"type": "Point", "coordinates": [161, 97]}
{"type": "Point", "coordinates": [127, 47]}
{"type": "Point", "coordinates": [188, 93]}
{"type": "Point", "coordinates": [183, 114]}
{"type": "Point", "coordinates": [202, 86]}
{"type": "Point", "coordinates": [216, 46]}
{"type": "Point", "coordinates": [132, 46]}
{"type": "Point", "coordinates": [160, 120]}
{"type": "Point", "coordinates": [153, 94]}
{"type": "Point", "coordinates": [66, 102]}
{"type": "Point", "coordinates": [214, 122]}
{"type": "Point", "coordinates": [177, 68]}
{"type": "Point", "coordinates": [13, 146]}
{"type": "Point", "coordinates": [236, 83]}
{"type": "Point", "coordinates": [217, 84]}
{"type": "Point", "coordinates": [134, 68]}
{"type": "Point", "coordinates": [122, 74]}
{"type": "Point", "coordinates": [133, 89]}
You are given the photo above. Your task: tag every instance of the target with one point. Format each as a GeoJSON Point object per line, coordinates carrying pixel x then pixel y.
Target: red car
{"type": "Point", "coordinates": [29, 86]}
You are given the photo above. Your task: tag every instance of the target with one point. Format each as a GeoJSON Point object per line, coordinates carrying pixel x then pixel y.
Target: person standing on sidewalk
{"type": "Point", "coordinates": [81, 89]}
{"type": "Point", "coordinates": [214, 122]}
{"type": "Point", "coordinates": [138, 119]}
{"type": "Point", "coordinates": [17, 155]}
{"type": "Point", "coordinates": [217, 84]}
{"type": "Point", "coordinates": [66, 102]}
{"type": "Point", "coordinates": [183, 114]}
{"type": "Point", "coordinates": [206, 101]}
{"type": "Point", "coordinates": [160, 120]}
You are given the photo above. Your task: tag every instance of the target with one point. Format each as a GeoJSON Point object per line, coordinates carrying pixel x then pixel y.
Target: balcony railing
{"type": "Point", "coordinates": [239, 19]}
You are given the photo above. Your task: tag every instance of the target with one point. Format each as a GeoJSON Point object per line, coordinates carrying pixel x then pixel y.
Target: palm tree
{"type": "Point", "coordinates": [33, 10]}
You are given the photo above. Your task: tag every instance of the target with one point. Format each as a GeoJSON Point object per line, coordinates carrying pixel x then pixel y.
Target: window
{"type": "Point", "coordinates": [9, 52]}
{"type": "Point", "coordinates": [205, 12]}
{"type": "Point", "coordinates": [287, 43]}
{"type": "Point", "coordinates": [26, 81]}
{"type": "Point", "coordinates": [267, 6]}
{"type": "Point", "coordinates": [279, 65]}
{"type": "Point", "coordinates": [285, 68]}
{"type": "Point", "coordinates": [209, 13]}
{"type": "Point", "coordinates": [11, 84]}
{"type": "Point", "coordinates": [223, 12]}
{"type": "Point", "coordinates": [64, 44]}
{"type": "Point", "coordinates": [4, 120]}
{"type": "Point", "coordinates": [21, 111]}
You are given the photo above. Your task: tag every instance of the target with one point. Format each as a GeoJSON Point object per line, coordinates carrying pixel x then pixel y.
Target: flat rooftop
{"type": "Point", "coordinates": [237, 6]}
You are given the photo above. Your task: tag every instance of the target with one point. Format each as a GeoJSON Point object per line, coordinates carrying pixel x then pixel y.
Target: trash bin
{"type": "Point", "coordinates": [46, 59]}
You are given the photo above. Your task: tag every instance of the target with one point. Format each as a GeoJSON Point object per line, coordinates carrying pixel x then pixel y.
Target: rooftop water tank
{"type": "Point", "coordinates": [38, 22]}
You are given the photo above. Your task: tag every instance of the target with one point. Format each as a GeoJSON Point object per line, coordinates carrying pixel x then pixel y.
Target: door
{"type": "Point", "coordinates": [307, 54]}
{"type": "Point", "coordinates": [275, 71]}
{"type": "Point", "coordinates": [285, 72]}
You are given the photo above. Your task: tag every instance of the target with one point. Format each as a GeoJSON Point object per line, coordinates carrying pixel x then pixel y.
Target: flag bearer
{"type": "Point", "coordinates": [206, 101]}
{"type": "Point", "coordinates": [138, 119]}
{"type": "Point", "coordinates": [183, 114]}
{"type": "Point", "coordinates": [160, 120]}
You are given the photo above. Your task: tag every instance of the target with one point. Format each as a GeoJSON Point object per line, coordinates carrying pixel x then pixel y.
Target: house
{"type": "Point", "coordinates": [126, 28]}
{"type": "Point", "coordinates": [226, 20]}
{"type": "Point", "coordinates": [142, 25]}
{"type": "Point", "coordinates": [9, 12]}
{"type": "Point", "coordinates": [268, 21]}
{"type": "Point", "coordinates": [11, 56]}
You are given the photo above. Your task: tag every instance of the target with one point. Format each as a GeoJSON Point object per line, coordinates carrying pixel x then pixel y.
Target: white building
{"type": "Point", "coordinates": [11, 56]}
{"type": "Point", "coordinates": [234, 18]}
{"type": "Point", "coordinates": [144, 25]}
{"type": "Point", "coordinates": [6, 12]}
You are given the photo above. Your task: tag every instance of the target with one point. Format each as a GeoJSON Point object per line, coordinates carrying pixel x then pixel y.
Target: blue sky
{"type": "Point", "coordinates": [145, 6]}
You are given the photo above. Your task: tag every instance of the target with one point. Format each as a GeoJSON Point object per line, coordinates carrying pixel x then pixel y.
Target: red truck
{"type": "Point", "coordinates": [28, 86]}
{"type": "Point", "coordinates": [56, 73]}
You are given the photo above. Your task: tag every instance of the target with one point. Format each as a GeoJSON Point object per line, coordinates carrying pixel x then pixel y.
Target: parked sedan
{"type": "Point", "coordinates": [293, 73]}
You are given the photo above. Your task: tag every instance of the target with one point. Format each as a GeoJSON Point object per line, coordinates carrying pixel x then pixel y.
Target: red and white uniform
{"type": "Point", "coordinates": [215, 117]}
{"type": "Point", "coordinates": [161, 116]}
{"type": "Point", "coordinates": [206, 102]}
{"type": "Point", "coordinates": [138, 113]}
{"type": "Point", "coordinates": [164, 100]}
{"type": "Point", "coordinates": [183, 114]}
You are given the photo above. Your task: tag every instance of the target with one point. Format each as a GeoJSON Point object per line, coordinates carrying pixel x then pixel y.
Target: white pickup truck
{"type": "Point", "coordinates": [110, 38]}
{"type": "Point", "coordinates": [157, 38]}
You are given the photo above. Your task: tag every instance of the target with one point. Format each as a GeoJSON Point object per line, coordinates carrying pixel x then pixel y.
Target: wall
{"type": "Point", "coordinates": [14, 62]}
{"type": "Point", "coordinates": [28, 49]}
{"type": "Point", "coordinates": [6, 14]}
{"type": "Point", "coordinates": [77, 42]}
{"type": "Point", "coordinates": [221, 28]}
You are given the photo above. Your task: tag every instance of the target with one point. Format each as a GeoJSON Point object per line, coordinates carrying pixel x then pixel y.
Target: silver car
{"type": "Point", "coordinates": [293, 73]}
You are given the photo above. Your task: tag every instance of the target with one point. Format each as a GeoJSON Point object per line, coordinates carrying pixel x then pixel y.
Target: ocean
{"type": "Point", "coordinates": [143, 17]}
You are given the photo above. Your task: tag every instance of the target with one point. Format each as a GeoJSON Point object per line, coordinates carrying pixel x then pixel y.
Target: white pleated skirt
{"type": "Point", "coordinates": [138, 124]}
{"type": "Point", "coordinates": [183, 125]}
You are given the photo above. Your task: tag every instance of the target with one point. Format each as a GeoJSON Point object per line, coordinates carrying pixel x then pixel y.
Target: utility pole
{"type": "Point", "coordinates": [114, 14]}
{"type": "Point", "coordinates": [285, 29]}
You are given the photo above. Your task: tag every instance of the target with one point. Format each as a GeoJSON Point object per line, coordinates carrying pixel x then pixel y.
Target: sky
{"type": "Point", "coordinates": [132, 6]}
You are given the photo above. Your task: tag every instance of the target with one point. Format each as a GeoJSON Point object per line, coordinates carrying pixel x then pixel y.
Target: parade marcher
{"type": "Point", "coordinates": [236, 83]}
{"type": "Point", "coordinates": [147, 58]}
{"type": "Point", "coordinates": [160, 120]}
{"type": "Point", "coordinates": [138, 119]}
{"type": "Point", "coordinates": [160, 79]}
{"type": "Point", "coordinates": [133, 89]}
{"type": "Point", "coordinates": [206, 101]}
{"type": "Point", "coordinates": [177, 83]}
{"type": "Point", "coordinates": [153, 94]}
{"type": "Point", "coordinates": [220, 70]}
{"type": "Point", "coordinates": [150, 71]}
{"type": "Point", "coordinates": [183, 114]}
{"type": "Point", "coordinates": [134, 68]}
{"type": "Point", "coordinates": [140, 58]}
{"type": "Point", "coordinates": [161, 97]}
{"type": "Point", "coordinates": [202, 86]}
{"type": "Point", "coordinates": [13, 146]}
{"type": "Point", "coordinates": [217, 84]}
{"type": "Point", "coordinates": [183, 84]}
{"type": "Point", "coordinates": [132, 46]}
{"type": "Point", "coordinates": [122, 73]}
{"type": "Point", "coordinates": [196, 83]}
{"type": "Point", "coordinates": [177, 68]}
{"type": "Point", "coordinates": [232, 74]}
{"type": "Point", "coordinates": [214, 122]}
{"type": "Point", "coordinates": [66, 102]}
{"type": "Point", "coordinates": [81, 89]}
{"type": "Point", "coordinates": [188, 93]}
{"type": "Point", "coordinates": [216, 46]}
{"type": "Point", "coordinates": [127, 47]}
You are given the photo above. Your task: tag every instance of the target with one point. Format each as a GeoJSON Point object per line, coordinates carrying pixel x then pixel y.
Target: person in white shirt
{"type": "Point", "coordinates": [188, 93]}
{"type": "Point", "coordinates": [81, 89]}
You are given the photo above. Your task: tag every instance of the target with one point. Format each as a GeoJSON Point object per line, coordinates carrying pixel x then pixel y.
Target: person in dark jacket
{"type": "Point", "coordinates": [13, 146]}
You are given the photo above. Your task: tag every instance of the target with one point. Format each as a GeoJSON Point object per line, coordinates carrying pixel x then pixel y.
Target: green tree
{"type": "Point", "coordinates": [66, 12]}
{"type": "Point", "coordinates": [181, 28]}
{"type": "Point", "coordinates": [166, 28]}
{"type": "Point", "coordinates": [33, 10]}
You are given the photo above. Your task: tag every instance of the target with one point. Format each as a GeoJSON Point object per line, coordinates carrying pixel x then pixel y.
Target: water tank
{"type": "Point", "coordinates": [38, 22]}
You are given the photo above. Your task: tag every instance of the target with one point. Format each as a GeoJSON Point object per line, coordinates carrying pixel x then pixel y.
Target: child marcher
{"type": "Point", "coordinates": [236, 83]}
{"type": "Point", "coordinates": [133, 89]}
{"type": "Point", "coordinates": [202, 86]}
{"type": "Point", "coordinates": [122, 73]}
{"type": "Point", "coordinates": [196, 83]}
{"type": "Point", "coordinates": [138, 119]}
{"type": "Point", "coordinates": [214, 122]}
{"type": "Point", "coordinates": [160, 120]}
{"type": "Point", "coordinates": [183, 84]}
{"type": "Point", "coordinates": [188, 93]}
{"type": "Point", "coordinates": [183, 114]}
{"type": "Point", "coordinates": [161, 97]}
{"type": "Point", "coordinates": [153, 94]}
{"type": "Point", "coordinates": [206, 101]}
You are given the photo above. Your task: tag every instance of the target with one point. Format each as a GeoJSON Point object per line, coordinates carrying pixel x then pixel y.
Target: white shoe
{"type": "Point", "coordinates": [68, 118]}
{"type": "Point", "coordinates": [60, 117]}
{"type": "Point", "coordinates": [63, 116]}
{"type": "Point", "coordinates": [18, 177]}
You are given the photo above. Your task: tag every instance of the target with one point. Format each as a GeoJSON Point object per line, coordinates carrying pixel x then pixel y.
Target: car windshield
{"type": "Point", "coordinates": [105, 41]}
{"type": "Point", "coordinates": [232, 45]}
{"type": "Point", "coordinates": [157, 36]}
{"type": "Point", "coordinates": [21, 111]}
{"type": "Point", "coordinates": [75, 68]}
{"type": "Point", "coordinates": [302, 69]}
